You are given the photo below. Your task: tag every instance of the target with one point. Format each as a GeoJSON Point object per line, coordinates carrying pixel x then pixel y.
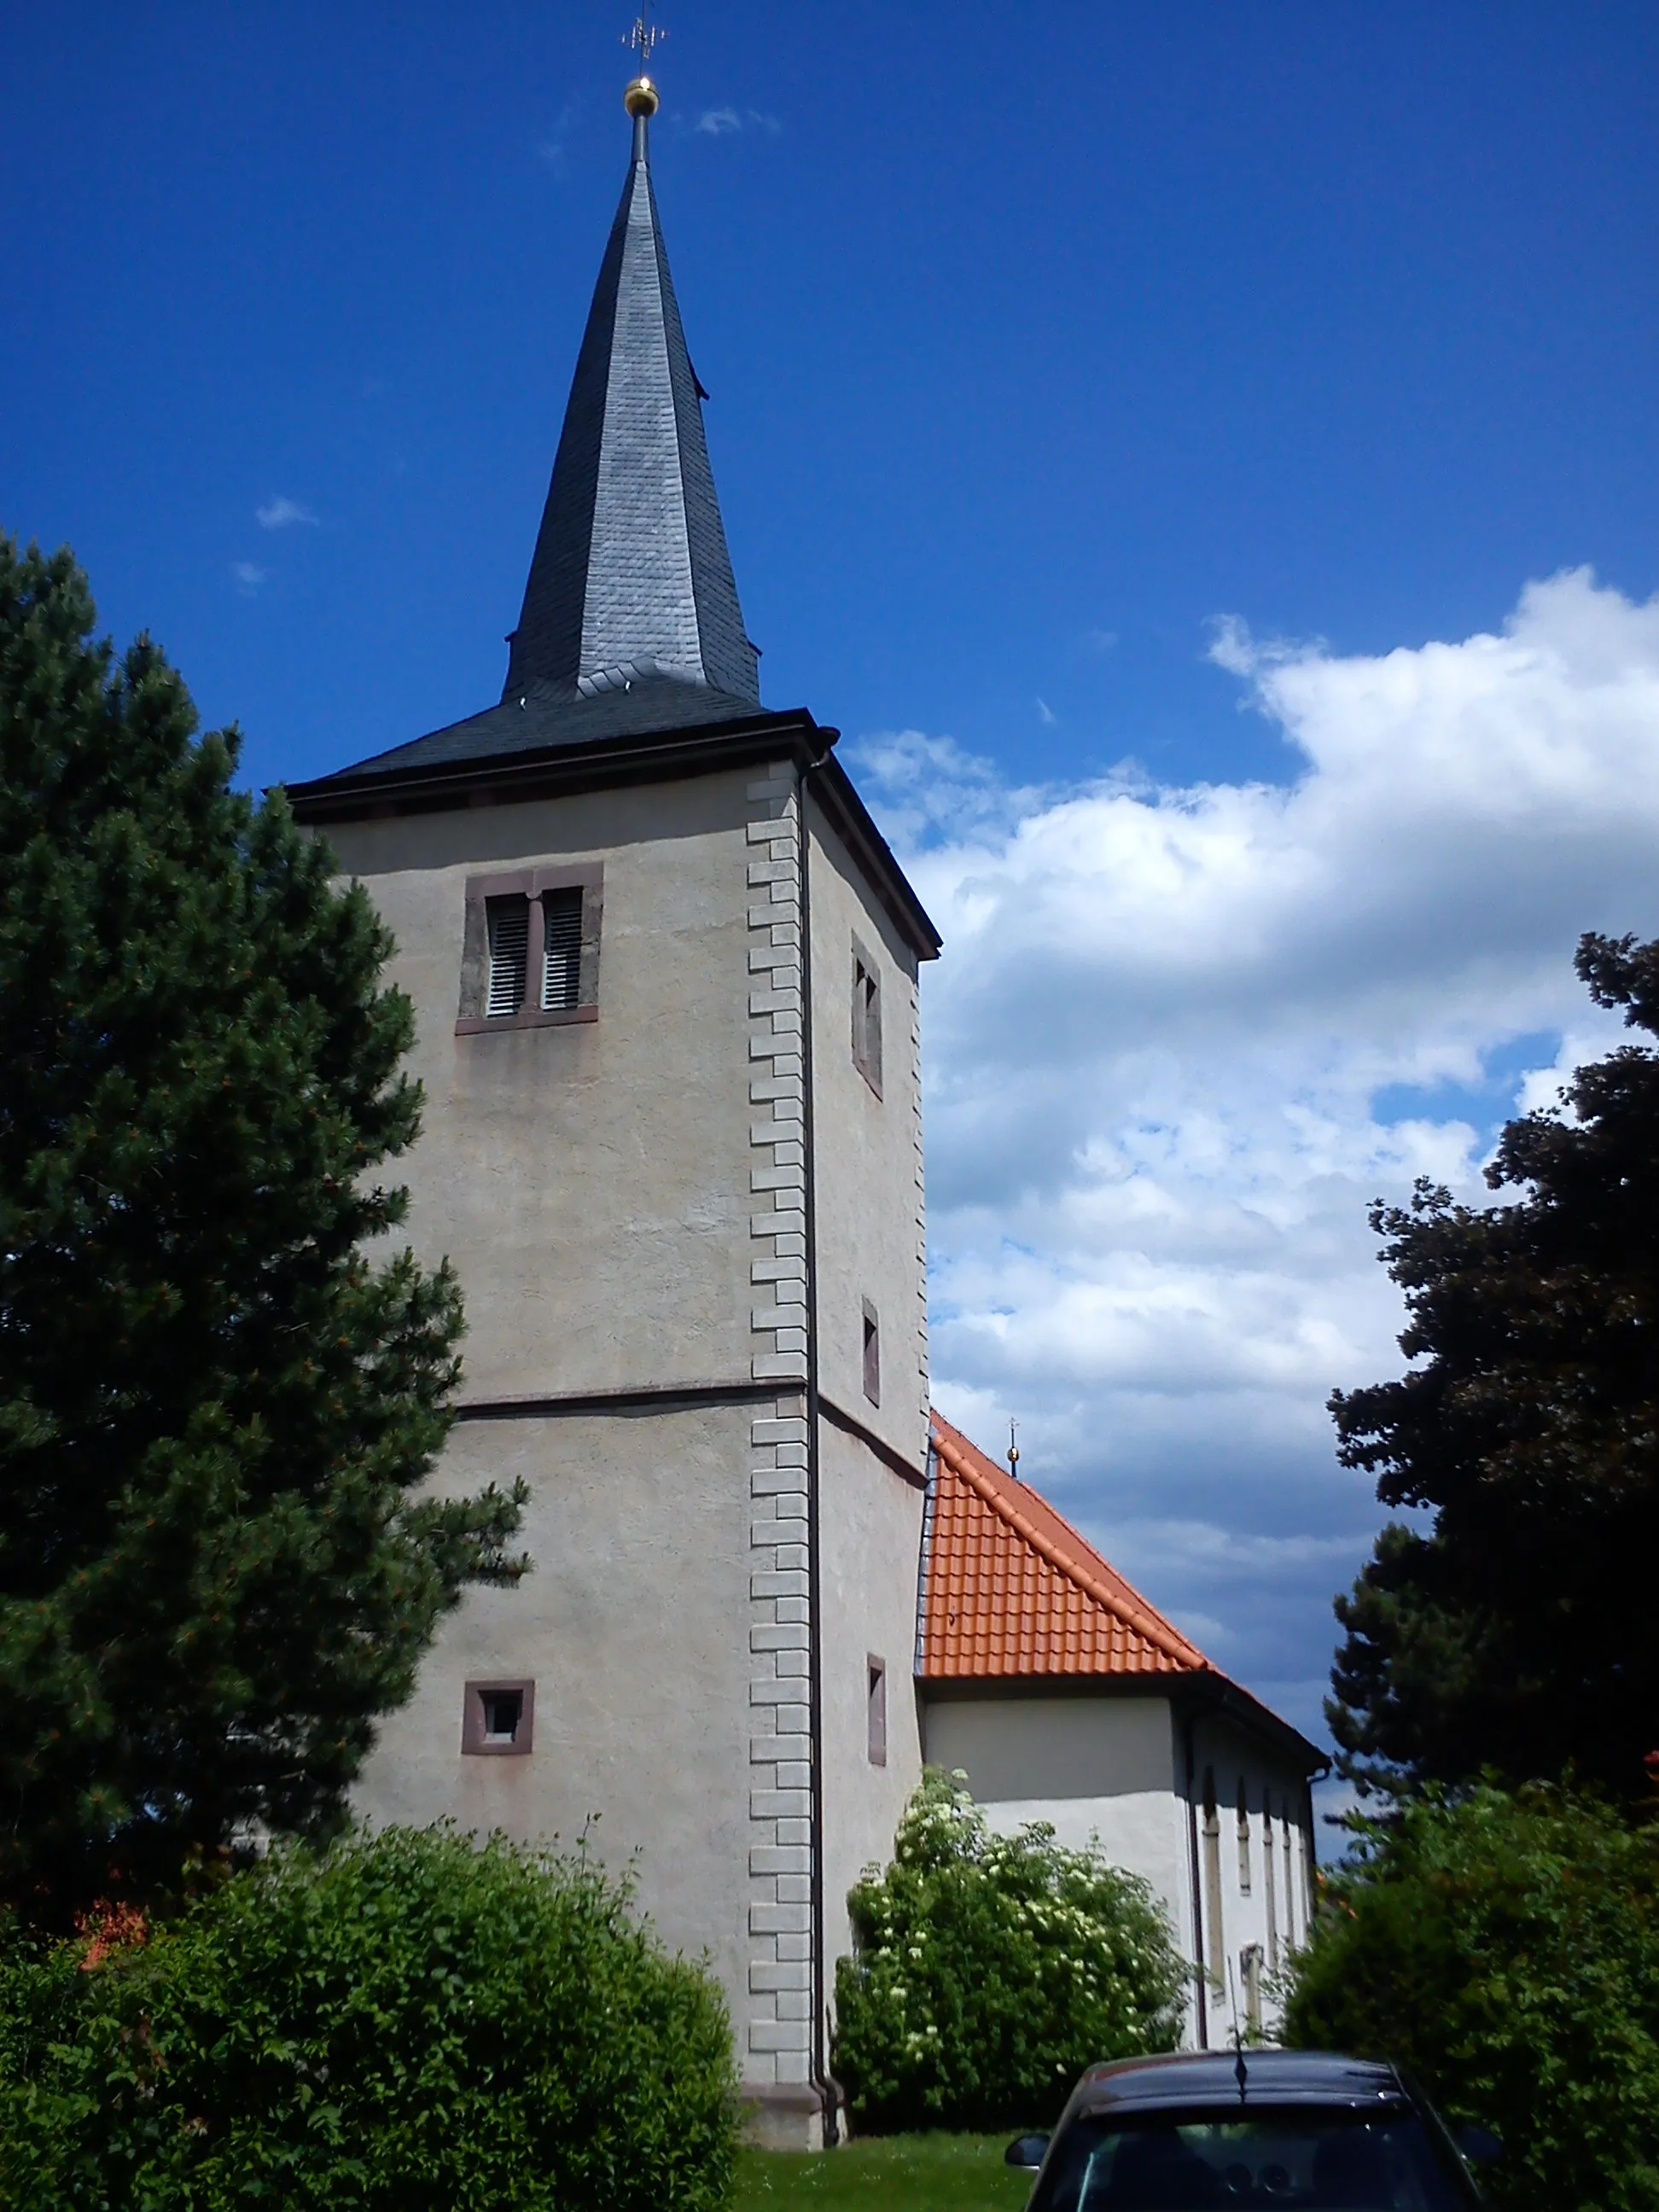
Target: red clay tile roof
{"type": "Point", "coordinates": [1012, 1589]}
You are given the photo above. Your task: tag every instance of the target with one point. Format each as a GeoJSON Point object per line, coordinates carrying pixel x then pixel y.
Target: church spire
{"type": "Point", "coordinates": [631, 582]}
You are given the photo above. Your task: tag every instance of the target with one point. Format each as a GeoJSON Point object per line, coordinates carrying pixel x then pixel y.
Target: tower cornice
{"type": "Point", "coordinates": [453, 779]}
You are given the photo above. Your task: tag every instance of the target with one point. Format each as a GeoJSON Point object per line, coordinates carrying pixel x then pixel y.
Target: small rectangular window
{"type": "Point", "coordinates": [866, 1017]}
{"type": "Point", "coordinates": [876, 1710]}
{"type": "Point", "coordinates": [871, 1354]}
{"type": "Point", "coordinates": [503, 1711]}
{"type": "Point", "coordinates": [529, 954]}
{"type": "Point", "coordinates": [509, 952]}
{"type": "Point", "coordinates": [498, 1718]}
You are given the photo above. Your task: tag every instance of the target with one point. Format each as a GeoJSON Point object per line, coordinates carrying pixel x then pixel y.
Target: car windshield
{"type": "Point", "coordinates": [1303, 2157]}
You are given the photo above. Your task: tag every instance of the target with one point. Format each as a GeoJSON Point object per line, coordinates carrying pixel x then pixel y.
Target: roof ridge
{"type": "Point", "coordinates": [1125, 1602]}
{"type": "Point", "coordinates": [1009, 1493]}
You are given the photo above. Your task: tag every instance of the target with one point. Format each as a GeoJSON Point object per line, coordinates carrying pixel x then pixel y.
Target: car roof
{"type": "Point", "coordinates": [1270, 2077]}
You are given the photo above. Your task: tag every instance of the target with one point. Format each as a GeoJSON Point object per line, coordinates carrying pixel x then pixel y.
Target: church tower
{"type": "Point", "coordinates": [665, 974]}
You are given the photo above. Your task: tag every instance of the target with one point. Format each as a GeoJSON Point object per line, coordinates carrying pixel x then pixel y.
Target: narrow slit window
{"type": "Point", "coordinates": [1215, 1947]}
{"type": "Point", "coordinates": [1244, 1838]}
{"type": "Point", "coordinates": [1289, 1885]}
{"type": "Point", "coordinates": [866, 1017]}
{"type": "Point", "coordinates": [1249, 1962]}
{"type": "Point", "coordinates": [562, 950]}
{"type": "Point", "coordinates": [871, 1354]}
{"type": "Point", "coordinates": [876, 1710]}
{"type": "Point", "coordinates": [508, 920]}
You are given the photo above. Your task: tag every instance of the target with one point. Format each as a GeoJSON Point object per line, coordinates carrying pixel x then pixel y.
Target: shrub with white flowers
{"type": "Point", "coordinates": [990, 1970]}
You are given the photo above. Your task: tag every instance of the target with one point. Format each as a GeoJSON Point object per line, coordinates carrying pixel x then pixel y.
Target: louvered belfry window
{"type": "Point", "coordinates": [562, 950]}
{"type": "Point", "coordinates": [508, 920]}
{"type": "Point", "coordinates": [530, 950]}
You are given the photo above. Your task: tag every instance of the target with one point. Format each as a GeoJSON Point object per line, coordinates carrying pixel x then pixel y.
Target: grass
{"type": "Point", "coordinates": [885, 2173]}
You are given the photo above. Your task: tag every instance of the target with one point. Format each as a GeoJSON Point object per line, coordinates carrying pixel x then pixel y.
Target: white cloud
{"type": "Point", "coordinates": [249, 577]}
{"type": "Point", "coordinates": [1180, 1037]}
{"type": "Point", "coordinates": [280, 514]}
{"type": "Point", "coordinates": [553, 149]}
{"type": "Point", "coordinates": [722, 122]}
{"type": "Point", "coordinates": [1046, 714]}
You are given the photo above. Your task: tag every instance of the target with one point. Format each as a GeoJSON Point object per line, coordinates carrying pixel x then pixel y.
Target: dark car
{"type": "Point", "coordinates": [1301, 2129]}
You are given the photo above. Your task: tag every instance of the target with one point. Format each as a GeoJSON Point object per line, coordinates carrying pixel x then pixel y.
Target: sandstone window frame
{"type": "Point", "coordinates": [478, 1739]}
{"type": "Point", "coordinates": [533, 886]}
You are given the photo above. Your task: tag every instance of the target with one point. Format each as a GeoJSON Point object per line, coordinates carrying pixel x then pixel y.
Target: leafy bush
{"type": "Point", "coordinates": [991, 1970]}
{"type": "Point", "coordinates": [406, 2021]}
{"type": "Point", "coordinates": [1505, 1949]}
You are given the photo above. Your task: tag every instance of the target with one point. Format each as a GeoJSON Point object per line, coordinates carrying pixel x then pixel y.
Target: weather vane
{"type": "Point", "coordinates": [645, 35]}
{"type": "Point", "coordinates": [1013, 1449]}
{"type": "Point", "coordinates": [640, 97]}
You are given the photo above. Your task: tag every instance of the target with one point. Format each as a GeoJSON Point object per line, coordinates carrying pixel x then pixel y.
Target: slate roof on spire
{"type": "Point", "coordinates": [630, 621]}
{"type": "Point", "coordinates": [631, 570]}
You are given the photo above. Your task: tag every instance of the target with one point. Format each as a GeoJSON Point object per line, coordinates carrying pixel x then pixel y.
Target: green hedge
{"type": "Point", "coordinates": [1506, 1949]}
{"type": "Point", "coordinates": [407, 2021]}
{"type": "Point", "coordinates": [991, 1970]}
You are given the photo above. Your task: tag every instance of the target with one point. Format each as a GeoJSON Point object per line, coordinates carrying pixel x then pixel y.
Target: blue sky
{"type": "Point", "coordinates": [1138, 429]}
{"type": "Point", "coordinates": [1027, 328]}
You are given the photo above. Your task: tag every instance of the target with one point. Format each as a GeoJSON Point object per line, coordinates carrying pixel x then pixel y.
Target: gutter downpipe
{"type": "Point", "coordinates": [822, 2080]}
{"type": "Point", "coordinates": [1201, 2009]}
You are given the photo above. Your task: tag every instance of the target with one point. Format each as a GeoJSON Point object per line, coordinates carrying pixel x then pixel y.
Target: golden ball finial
{"type": "Point", "coordinates": [640, 97]}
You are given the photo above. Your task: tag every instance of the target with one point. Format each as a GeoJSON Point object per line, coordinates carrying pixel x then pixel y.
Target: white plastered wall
{"type": "Point", "coordinates": [1112, 1766]}
{"type": "Point", "coordinates": [872, 1532]}
{"type": "Point", "coordinates": [625, 1202]}
{"type": "Point", "coordinates": [871, 1225]}
{"type": "Point", "coordinates": [871, 1246]}
{"type": "Point", "coordinates": [632, 1627]}
{"type": "Point", "coordinates": [1257, 1870]}
{"type": "Point", "coordinates": [1103, 1767]}
{"type": "Point", "coordinates": [590, 1182]}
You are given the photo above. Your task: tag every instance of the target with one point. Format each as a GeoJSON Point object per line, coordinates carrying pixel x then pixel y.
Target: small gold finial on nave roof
{"type": "Point", "coordinates": [641, 97]}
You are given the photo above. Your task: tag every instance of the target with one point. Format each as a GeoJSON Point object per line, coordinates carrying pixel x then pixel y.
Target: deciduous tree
{"type": "Point", "coordinates": [1514, 1631]}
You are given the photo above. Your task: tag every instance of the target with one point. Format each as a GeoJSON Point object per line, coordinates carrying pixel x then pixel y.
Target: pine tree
{"type": "Point", "coordinates": [1515, 1633]}
{"type": "Point", "coordinates": [216, 1563]}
